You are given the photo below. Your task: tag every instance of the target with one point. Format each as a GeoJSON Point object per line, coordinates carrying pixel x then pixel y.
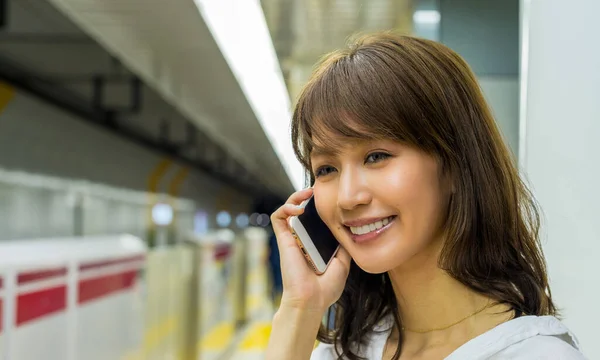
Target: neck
{"type": "Point", "coordinates": [435, 308]}
{"type": "Point", "coordinates": [429, 298]}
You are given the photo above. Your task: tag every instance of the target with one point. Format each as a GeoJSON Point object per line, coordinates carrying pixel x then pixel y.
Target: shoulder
{"type": "Point", "coordinates": [371, 348]}
{"type": "Point", "coordinates": [544, 347]}
{"type": "Point", "coordinates": [324, 352]}
{"type": "Point", "coordinates": [526, 337]}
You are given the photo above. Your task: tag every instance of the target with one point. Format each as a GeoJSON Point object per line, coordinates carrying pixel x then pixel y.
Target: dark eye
{"type": "Point", "coordinates": [324, 170]}
{"type": "Point", "coordinates": [376, 157]}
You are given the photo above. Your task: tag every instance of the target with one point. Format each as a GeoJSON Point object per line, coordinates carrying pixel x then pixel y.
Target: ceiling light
{"type": "Point", "coordinates": [427, 17]}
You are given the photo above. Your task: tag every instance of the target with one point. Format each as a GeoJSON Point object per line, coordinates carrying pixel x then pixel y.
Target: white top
{"type": "Point", "coordinates": [526, 337]}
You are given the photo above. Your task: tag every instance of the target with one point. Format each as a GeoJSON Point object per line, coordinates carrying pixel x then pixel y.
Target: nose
{"type": "Point", "coordinates": [353, 190]}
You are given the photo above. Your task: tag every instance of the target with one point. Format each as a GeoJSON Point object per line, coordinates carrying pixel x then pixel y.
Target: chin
{"type": "Point", "coordinates": [374, 269]}
{"type": "Point", "coordinates": [382, 259]}
{"type": "Point", "coordinates": [372, 266]}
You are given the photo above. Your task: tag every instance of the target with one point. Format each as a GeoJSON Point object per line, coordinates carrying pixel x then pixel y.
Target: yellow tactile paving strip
{"type": "Point", "coordinates": [218, 338]}
{"type": "Point", "coordinates": [260, 310]}
{"type": "Point", "coordinates": [257, 338]}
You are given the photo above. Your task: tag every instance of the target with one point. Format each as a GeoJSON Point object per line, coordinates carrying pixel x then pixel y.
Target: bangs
{"type": "Point", "coordinates": [354, 96]}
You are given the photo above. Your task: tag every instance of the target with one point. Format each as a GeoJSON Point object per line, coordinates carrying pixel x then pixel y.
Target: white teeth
{"type": "Point", "coordinates": [360, 230]}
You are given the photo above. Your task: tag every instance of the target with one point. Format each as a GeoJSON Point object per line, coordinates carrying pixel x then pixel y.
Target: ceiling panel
{"type": "Point", "coordinates": [182, 62]}
{"type": "Point", "coordinates": [304, 30]}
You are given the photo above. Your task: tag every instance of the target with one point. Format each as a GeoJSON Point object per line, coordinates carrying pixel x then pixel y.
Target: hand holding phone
{"type": "Point", "coordinates": [302, 288]}
{"type": "Point", "coordinates": [314, 238]}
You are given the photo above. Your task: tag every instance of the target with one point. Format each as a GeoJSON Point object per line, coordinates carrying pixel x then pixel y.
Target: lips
{"type": "Point", "coordinates": [363, 230]}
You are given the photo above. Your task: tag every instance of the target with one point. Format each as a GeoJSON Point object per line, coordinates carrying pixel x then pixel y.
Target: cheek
{"type": "Point", "coordinates": [425, 211]}
{"type": "Point", "coordinates": [406, 187]}
{"type": "Point", "coordinates": [414, 189]}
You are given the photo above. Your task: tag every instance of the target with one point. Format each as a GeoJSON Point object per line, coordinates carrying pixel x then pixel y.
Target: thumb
{"type": "Point", "coordinates": [339, 268]}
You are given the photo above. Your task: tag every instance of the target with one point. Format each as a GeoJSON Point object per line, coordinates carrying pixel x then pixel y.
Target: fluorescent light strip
{"type": "Point", "coordinates": [241, 32]}
{"type": "Point", "coordinates": [427, 17]}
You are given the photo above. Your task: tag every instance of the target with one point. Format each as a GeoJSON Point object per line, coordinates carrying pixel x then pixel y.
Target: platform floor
{"type": "Point", "coordinates": [226, 342]}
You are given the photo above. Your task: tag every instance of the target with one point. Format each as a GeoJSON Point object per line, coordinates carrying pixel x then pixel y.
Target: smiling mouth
{"type": "Point", "coordinates": [365, 229]}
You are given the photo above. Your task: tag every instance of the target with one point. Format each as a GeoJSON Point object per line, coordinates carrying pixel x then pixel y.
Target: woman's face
{"type": "Point", "coordinates": [384, 201]}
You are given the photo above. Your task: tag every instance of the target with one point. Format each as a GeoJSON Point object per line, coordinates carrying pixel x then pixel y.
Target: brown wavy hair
{"type": "Point", "coordinates": [423, 94]}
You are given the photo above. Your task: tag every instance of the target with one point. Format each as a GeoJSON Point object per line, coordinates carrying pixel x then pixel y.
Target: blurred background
{"type": "Point", "coordinates": [144, 144]}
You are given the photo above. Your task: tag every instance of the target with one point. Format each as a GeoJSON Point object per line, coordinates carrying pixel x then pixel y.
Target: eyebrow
{"type": "Point", "coordinates": [324, 151]}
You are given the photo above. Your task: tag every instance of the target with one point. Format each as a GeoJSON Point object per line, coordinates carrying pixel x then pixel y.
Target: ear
{"type": "Point", "coordinates": [452, 185]}
{"type": "Point", "coordinates": [447, 178]}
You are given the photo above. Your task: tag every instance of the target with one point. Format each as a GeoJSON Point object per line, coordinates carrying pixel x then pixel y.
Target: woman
{"type": "Point", "coordinates": [397, 128]}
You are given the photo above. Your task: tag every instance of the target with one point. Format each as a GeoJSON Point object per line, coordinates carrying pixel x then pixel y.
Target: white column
{"type": "Point", "coordinates": [560, 150]}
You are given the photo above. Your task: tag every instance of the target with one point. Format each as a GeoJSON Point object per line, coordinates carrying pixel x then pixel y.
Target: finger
{"type": "Point", "coordinates": [291, 204]}
{"type": "Point", "coordinates": [343, 256]}
{"type": "Point", "coordinates": [340, 266]}
{"type": "Point", "coordinates": [280, 217]}
{"type": "Point", "coordinates": [299, 196]}
{"type": "Point", "coordinates": [291, 210]}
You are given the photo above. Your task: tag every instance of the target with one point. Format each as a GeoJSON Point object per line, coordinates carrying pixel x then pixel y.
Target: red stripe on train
{"type": "Point", "coordinates": [35, 275]}
{"type": "Point", "coordinates": [98, 264]}
{"type": "Point", "coordinates": [94, 288]}
{"type": "Point", "coordinates": [36, 304]}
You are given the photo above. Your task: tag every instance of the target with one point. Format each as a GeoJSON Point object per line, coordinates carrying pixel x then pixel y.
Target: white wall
{"type": "Point", "coordinates": [560, 151]}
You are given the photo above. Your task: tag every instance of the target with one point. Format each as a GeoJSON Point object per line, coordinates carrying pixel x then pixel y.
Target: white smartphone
{"type": "Point", "coordinates": [314, 238]}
